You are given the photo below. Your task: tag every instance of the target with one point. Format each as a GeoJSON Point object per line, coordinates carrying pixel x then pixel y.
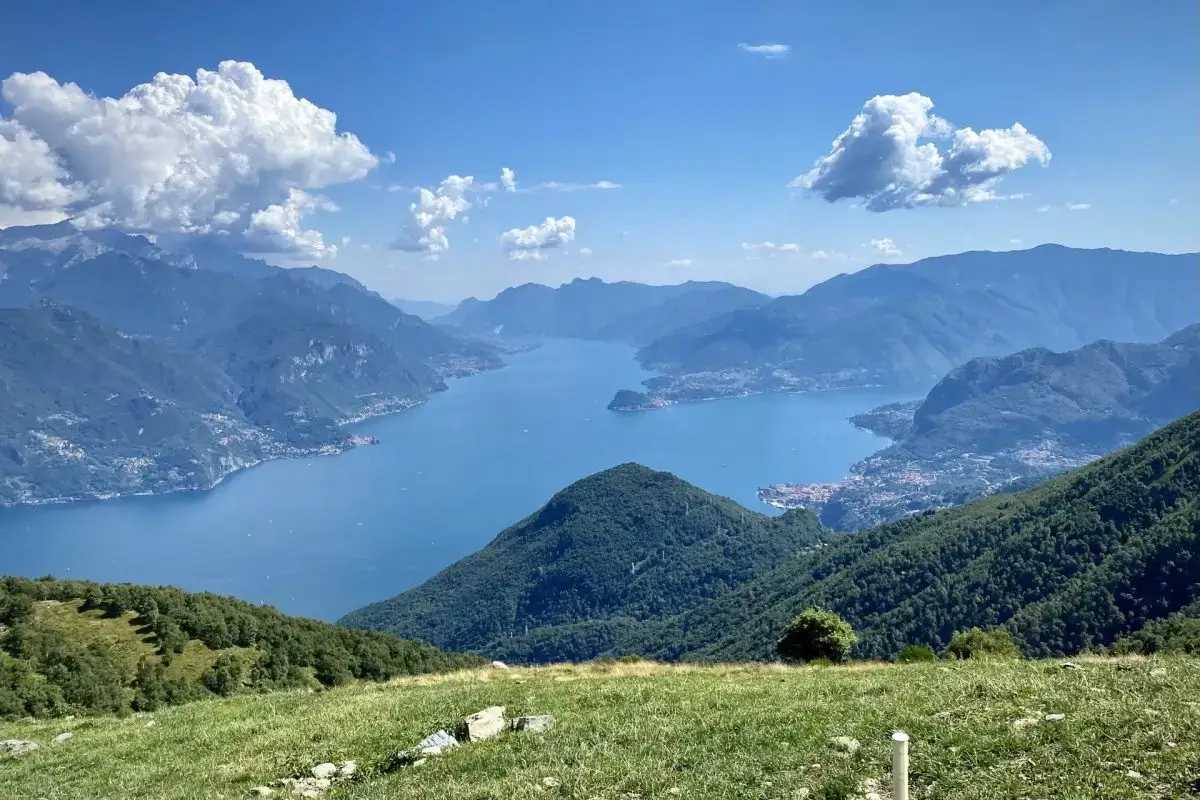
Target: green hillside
{"type": "Point", "coordinates": [628, 542]}
{"type": "Point", "coordinates": [1070, 565]}
{"type": "Point", "coordinates": [72, 647]}
{"type": "Point", "coordinates": [1128, 731]}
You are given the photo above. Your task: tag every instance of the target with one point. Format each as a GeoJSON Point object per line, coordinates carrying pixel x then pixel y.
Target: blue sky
{"type": "Point", "coordinates": [703, 137]}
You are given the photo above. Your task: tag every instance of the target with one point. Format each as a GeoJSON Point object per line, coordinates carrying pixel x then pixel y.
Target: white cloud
{"type": "Point", "coordinates": [1043, 209]}
{"type": "Point", "coordinates": [771, 248]}
{"type": "Point", "coordinates": [680, 262]}
{"type": "Point", "coordinates": [560, 186]}
{"type": "Point", "coordinates": [828, 255]}
{"type": "Point", "coordinates": [585, 251]}
{"type": "Point", "coordinates": [768, 50]}
{"type": "Point", "coordinates": [1078, 206]}
{"type": "Point", "coordinates": [508, 179]}
{"type": "Point", "coordinates": [278, 229]}
{"type": "Point", "coordinates": [532, 242]}
{"type": "Point", "coordinates": [177, 154]}
{"type": "Point", "coordinates": [885, 246]}
{"type": "Point", "coordinates": [881, 159]}
{"type": "Point", "coordinates": [389, 157]}
{"type": "Point", "coordinates": [425, 232]}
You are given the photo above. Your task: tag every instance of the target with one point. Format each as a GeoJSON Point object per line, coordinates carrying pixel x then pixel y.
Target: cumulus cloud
{"type": "Point", "coordinates": [680, 262]}
{"type": "Point", "coordinates": [534, 241]}
{"type": "Point", "coordinates": [202, 155]}
{"type": "Point", "coordinates": [508, 179]}
{"type": "Point", "coordinates": [278, 227]}
{"type": "Point", "coordinates": [771, 248]}
{"type": "Point", "coordinates": [885, 246]}
{"type": "Point", "coordinates": [768, 50]}
{"type": "Point", "coordinates": [886, 161]}
{"type": "Point", "coordinates": [425, 231]}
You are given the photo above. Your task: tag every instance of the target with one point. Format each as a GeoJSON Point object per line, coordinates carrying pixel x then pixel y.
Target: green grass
{"type": "Point", "coordinates": [122, 636]}
{"type": "Point", "coordinates": [653, 731]}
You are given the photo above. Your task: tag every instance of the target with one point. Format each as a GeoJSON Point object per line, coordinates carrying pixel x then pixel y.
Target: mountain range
{"type": "Point", "coordinates": [254, 361]}
{"type": "Point", "coordinates": [1073, 564]}
{"type": "Point", "coordinates": [905, 326]}
{"type": "Point", "coordinates": [592, 309]}
{"type": "Point", "coordinates": [994, 421]}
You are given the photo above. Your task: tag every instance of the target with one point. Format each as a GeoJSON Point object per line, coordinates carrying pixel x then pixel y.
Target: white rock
{"type": "Point", "coordinates": [499, 665]}
{"type": "Point", "coordinates": [261, 791]}
{"type": "Point", "coordinates": [550, 783]}
{"type": "Point", "coordinates": [62, 737]}
{"type": "Point", "coordinates": [1069, 665]}
{"type": "Point", "coordinates": [844, 744]}
{"type": "Point", "coordinates": [323, 771]}
{"type": "Point", "coordinates": [1158, 672]}
{"type": "Point", "coordinates": [484, 724]}
{"type": "Point", "coordinates": [18, 747]}
{"type": "Point", "coordinates": [1024, 722]}
{"type": "Point", "coordinates": [419, 762]}
{"type": "Point", "coordinates": [439, 741]}
{"type": "Point", "coordinates": [347, 769]}
{"type": "Point", "coordinates": [1055, 717]}
{"type": "Point", "coordinates": [1137, 776]}
{"type": "Point", "coordinates": [534, 724]}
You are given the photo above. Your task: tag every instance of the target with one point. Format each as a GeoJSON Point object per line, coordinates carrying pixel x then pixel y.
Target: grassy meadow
{"type": "Point", "coordinates": [1131, 729]}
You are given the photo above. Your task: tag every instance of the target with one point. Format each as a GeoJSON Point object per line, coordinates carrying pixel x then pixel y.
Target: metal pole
{"type": "Point", "coordinates": [899, 765]}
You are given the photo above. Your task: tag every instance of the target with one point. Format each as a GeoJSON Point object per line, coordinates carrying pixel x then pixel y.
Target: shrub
{"type": "Point", "coordinates": [817, 633]}
{"type": "Point", "coordinates": [996, 643]}
{"type": "Point", "coordinates": [915, 654]}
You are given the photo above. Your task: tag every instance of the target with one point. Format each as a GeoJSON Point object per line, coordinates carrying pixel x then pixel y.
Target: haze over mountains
{"type": "Point", "coordinates": [159, 370]}
{"type": "Point", "coordinates": [592, 309]}
{"type": "Point", "coordinates": [908, 325]}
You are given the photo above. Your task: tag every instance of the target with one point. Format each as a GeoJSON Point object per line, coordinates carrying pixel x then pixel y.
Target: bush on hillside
{"type": "Point", "coordinates": [817, 633]}
{"type": "Point", "coordinates": [916, 654]}
{"type": "Point", "coordinates": [996, 643]}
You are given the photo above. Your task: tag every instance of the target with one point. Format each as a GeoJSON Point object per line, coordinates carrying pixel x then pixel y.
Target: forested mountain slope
{"type": "Point", "coordinates": [626, 542]}
{"type": "Point", "coordinates": [1069, 565]}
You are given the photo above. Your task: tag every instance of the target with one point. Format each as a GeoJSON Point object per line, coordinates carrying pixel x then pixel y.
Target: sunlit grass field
{"type": "Point", "coordinates": [637, 731]}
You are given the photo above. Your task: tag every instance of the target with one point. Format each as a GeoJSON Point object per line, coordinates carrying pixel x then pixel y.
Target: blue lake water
{"type": "Point", "coordinates": [322, 536]}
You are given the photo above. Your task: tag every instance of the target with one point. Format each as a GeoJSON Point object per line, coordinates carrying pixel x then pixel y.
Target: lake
{"type": "Point", "coordinates": [322, 536]}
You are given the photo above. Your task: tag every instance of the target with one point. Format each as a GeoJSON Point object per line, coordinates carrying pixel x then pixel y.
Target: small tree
{"type": "Point", "coordinates": [996, 643]}
{"type": "Point", "coordinates": [817, 633]}
{"type": "Point", "coordinates": [916, 654]}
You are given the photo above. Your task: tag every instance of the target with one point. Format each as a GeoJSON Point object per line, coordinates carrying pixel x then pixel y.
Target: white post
{"type": "Point", "coordinates": [899, 765]}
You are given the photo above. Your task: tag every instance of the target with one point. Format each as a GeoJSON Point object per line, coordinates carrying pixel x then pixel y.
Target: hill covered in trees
{"type": "Point", "coordinates": [74, 647]}
{"type": "Point", "coordinates": [626, 543]}
{"type": "Point", "coordinates": [1070, 565]}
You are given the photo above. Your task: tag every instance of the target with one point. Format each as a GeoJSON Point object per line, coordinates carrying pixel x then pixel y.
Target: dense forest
{"type": "Point", "coordinates": [628, 542]}
{"type": "Point", "coordinates": [79, 647]}
{"type": "Point", "coordinates": [1106, 553]}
